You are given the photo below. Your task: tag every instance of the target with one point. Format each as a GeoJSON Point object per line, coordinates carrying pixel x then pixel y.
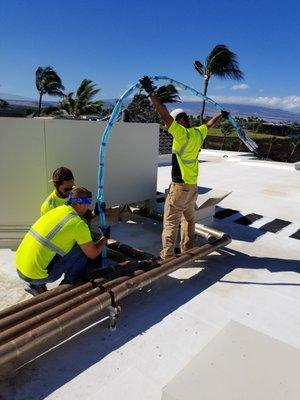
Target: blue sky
{"type": "Point", "coordinates": [114, 43]}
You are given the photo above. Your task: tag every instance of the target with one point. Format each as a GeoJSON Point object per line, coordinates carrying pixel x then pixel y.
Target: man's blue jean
{"type": "Point", "coordinates": [73, 265]}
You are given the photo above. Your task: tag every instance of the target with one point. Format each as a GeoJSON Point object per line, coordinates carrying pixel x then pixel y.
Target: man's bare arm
{"type": "Point", "coordinates": [161, 109]}
{"type": "Point", "coordinates": [93, 249]}
{"type": "Point", "coordinates": [214, 120]}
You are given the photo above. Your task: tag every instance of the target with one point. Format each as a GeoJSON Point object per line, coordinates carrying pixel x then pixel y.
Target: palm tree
{"type": "Point", "coordinates": [141, 110]}
{"type": "Point", "coordinates": [273, 140]}
{"type": "Point", "coordinates": [48, 81]}
{"type": "Point", "coordinates": [138, 110]}
{"type": "Point", "coordinates": [82, 104]}
{"type": "Point", "coordinates": [294, 143]}
{"type": "Point", "coordinates": [220, 62]}
{"type": "Point", "coordinates": [3, 104]}
{"type": "Point", "coordinates": [226, 129]}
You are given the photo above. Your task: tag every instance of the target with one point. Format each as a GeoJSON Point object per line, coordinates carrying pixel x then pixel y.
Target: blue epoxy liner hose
{"type": "Point", "coordinates": [252, 146]}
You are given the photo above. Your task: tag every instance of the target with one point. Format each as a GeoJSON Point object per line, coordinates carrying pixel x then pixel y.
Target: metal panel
{"type": "Point", "coordinates": [22, 170]}
{"type": "Point", "coordinates": [30, 149]}
{"type": "Point", "coordinates": [131, 165]}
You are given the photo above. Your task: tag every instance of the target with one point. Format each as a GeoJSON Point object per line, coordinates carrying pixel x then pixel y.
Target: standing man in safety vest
{"type": "Point", "coordinates": [58, 243]}
{"type": "Point", "coordinates": [183, 191]}
{"type": "Point", "coordinates": [63, 181]}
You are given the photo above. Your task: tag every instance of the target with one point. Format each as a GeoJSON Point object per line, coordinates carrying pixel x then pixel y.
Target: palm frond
{"type": "Point", "coordinates": [46, 79]}
{"type": "Point", "coordinates": [93, 108]}
{"type": "Point", "coordinates": [223, 63]}
{"type": "Point", "coordinates": [167, 94]}
{"type": "Point", "coordinates": [199, 67]}
{"type": "Point", "coordinates": [82, 104]}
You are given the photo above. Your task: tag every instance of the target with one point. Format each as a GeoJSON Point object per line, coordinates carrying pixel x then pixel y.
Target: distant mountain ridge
{"type": "Point", "coordinates": [13, 97]}
{"type": "Point", "coordinates": [241, 110]}
{"type": "Point", "coordinates": [191, 107]}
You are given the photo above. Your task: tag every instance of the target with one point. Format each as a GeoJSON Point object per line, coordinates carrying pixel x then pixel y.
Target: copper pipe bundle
{"type": "Point", "coordinates": [30, 328]}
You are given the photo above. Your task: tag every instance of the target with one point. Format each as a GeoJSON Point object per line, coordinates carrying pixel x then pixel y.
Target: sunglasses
{"type": "Point", "coordinates": [67, 190]}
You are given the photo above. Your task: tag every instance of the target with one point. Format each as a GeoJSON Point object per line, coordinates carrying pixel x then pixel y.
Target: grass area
{"type": "Point", "coordinates": [253, 135]}
{"type": "Point", "coordinates": [280, 149]}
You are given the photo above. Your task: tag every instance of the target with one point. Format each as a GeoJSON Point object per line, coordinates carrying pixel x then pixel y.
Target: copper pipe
{"type": "Point", "coordinates": [34, 300]}
{"type": "Point", "coordinates": [148, 277]}
{"type": "Point", "coordinates": [208, 232]}
{"type": "Point", "coordinates": [130, 251]}
{"type": "Point", "coordinates": [45, 316]}
{"type": "Point", "coordinates": [37, 308]}
{"type": "Point", "coordinates": [115, 255]}
{"type": "Point", "coordinates": [112, 284]}
{"type": "Point", "coordinates": [31, 317]}
{"type": "Point", "coordinates": [26, 347]}
{"type": "Point", "coordinates": [40, 298]}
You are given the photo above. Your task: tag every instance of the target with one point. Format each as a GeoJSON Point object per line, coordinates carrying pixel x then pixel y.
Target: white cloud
{"type": "Point", "coordinates": [288, 102]}
{"type": "Point", "coordinates": [241, 86]}
{"type": "Point", "coordinates": [291, 103]}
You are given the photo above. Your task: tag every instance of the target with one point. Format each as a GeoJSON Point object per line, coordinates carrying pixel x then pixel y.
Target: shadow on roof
{"type": "Point", "coordinates": [141, 311]}
{"type": "Point", "coordinates": [237, 231]}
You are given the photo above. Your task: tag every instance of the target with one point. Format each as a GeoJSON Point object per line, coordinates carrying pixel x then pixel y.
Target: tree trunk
{"type": "Point", "coordinates": [270, 147]}
{"type": "Point", "coordinates": [223, 142]}
{"type": "Point", "coordinates": [40, 104]}
{"type": "Point", "coordinates": [295, 145]}
{"type": "Point", "coordinates": [203, 103]}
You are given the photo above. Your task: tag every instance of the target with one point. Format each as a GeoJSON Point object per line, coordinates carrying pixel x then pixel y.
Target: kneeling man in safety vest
{"type": "Point", "coordinates": [58, 243]}
{"type": "Point", "coordinates": [183, 191]}
{"type": "Point", "coordinates": [63, 181]}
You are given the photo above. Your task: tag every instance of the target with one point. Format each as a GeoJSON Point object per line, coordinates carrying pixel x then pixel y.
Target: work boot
{"type": "Point", "coordinates": [35, 289]}
{"type": "Point", "coordinates": [160, 259]}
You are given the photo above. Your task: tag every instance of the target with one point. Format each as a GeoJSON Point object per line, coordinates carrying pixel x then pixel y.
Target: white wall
{"type": "Point", "coordinates": [30, 149]}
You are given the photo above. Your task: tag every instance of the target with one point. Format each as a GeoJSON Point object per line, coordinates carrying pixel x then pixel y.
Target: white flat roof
{"type": "Point", "coordinates": [254, 281]}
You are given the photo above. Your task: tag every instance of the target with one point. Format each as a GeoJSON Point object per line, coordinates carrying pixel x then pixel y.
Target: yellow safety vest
{"type": "Point", "coordinates": [52, 201]}
{"type": "Point", "coordinates": [187, 143]}
{"type": "Point", "coordinates": [56, 232]}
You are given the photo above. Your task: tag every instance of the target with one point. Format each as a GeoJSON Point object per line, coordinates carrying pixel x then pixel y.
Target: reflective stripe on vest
{"type": "Point", "coordinates": [45, 241]}
{"type": "Point", "coordinates": [181, 151]}
{"type": "Point", "coordinates": [58, 227]}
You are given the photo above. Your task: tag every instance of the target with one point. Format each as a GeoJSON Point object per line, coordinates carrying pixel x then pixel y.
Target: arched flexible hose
{"type": "Point", "coordinates": [252, 146]}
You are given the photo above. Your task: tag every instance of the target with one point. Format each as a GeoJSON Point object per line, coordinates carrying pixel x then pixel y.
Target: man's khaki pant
{"type": "Point", "coordinates": [179, 210]}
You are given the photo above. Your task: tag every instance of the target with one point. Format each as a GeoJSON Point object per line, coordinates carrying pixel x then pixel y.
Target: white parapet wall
{"type": "Point", "coordinates": [30, 149]}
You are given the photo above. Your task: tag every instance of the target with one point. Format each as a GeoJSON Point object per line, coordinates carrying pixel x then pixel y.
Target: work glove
{"type": "Point", "coordinates": [106, 232]}
{"type": "Point", "coordinates": [147, 85]}
{"type": "Point", "coordinates": [225, 114]}
{"type": "Point", "coordinates": [96, 209]}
